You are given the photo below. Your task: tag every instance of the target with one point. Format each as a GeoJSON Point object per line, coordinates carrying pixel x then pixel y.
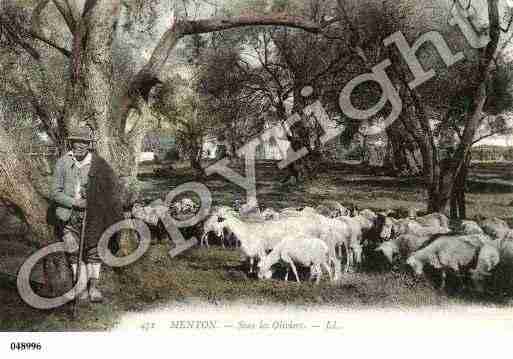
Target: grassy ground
{"type": "Point", "coordinates": [216, 275]}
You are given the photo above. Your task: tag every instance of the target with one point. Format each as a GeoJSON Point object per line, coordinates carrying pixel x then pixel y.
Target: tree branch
{"type": "Point", "coordinates": [14, 33]}
{"type": "Point", "coordinates": [224, 23]}
{"type": "Point", "coordinates": [36, 31]}
{"type": "Point", "coordinates": [491, 134]}
{"type": "Point", "coordinates": [50, 43]}
{"type": "Point", "coordinates": [66, 12]}
{"type": "Point", "coordinates": [148, 76]}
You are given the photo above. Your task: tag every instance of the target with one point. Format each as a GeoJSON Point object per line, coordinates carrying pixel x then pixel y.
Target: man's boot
{"type": "Point", "coordinates": [95, 296]}
{"type": "Point", "coordinates": [72, 293]}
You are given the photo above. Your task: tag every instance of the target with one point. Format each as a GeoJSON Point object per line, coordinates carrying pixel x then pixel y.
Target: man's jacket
{"type": "Point", "coordinates": [104, 196]}
{"type": "Point", "coordinates": [66, 185]}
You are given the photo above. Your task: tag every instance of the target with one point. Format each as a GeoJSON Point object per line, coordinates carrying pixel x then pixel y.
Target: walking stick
{"type": "Point", "coordinates": [79, 265]}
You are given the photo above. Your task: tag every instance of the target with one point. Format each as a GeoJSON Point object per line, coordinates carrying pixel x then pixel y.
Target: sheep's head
{"type": "Point", "coordinates": [221, 223]}
{"type": "Point", "coordinates": [488, 258]}
{"type": "Point", "coordinates": [508, 236]}
{"type": "Point", "coordinates": [270, 214]}
{"type": "Point", "coordinates": [214, 225]}
{"type": "Point", "coordinates": [469, 227]}
{"type": "Point", "coordinates": [345, 212]}
{"type": "Point", "coordinates": [389, 250]}
{"type": "Point", "coordinates": [370, 215]}
{"type": "Point", "coordinates": [400, 228]}
{"type": "Point", "coordinates": [387, 230]}
{"type": "Point", "coordinates": [415, 265]}
{"type": "Point", "coordinates": [495, 227]}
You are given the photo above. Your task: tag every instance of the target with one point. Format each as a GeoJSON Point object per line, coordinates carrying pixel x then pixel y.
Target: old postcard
{"type": "Point", "coordinates": [281, 169]}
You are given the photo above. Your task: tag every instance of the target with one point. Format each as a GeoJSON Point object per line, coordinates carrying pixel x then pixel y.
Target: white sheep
{"type": "Point", "coordinates": [352, 238]}
{"type": "Point", "coordinates": [270, 214]}
{"type": "Point", "coordinates": [223, 210]}
{"type": "Point", "coordinates": [250, 211]}
{"type": "Point", "coordinates": [433, 220]}
{"type": "Point", "coordinates": [424, 231]}
{"type": "Point", "coordinates": [297, 212]}
{"type": "Point", "coordinates": [188, 205]}
{"type": "Point", "coordinates": [431, 224]}
{"type": "Point", "coordinates": [212, 224]}
{"type": "Point", "coordinates": [150, 214]}
{"type": "Point", "coordinates": [258, 237]}
{"type": "Point", "coordinates": [332, 209]}
{"type": "Point", "coordinates": [290, 212]}
{"type": "Point", "coordinates": [367, 213]}
{"type": "Point", "coordinates": [184, 206]}
{"type": "Point", "coordinates": [469, 227]}
{"type": "Point", "coordinates": [447, 253]}
{"type": "Point", "coordinates": [401, 247]}
{"type": "Point", "coordinates": [358, 226]}
{"type": "Point", "coordinates": [309, 251]}
{"type": "Point", "coordinates": [389, 228]}
{"type": "Point", "coordinates": [495, 227]}
{"type": "Point", "coordinates": [488, 259]}
{"type": "Point", "coordinates": [339, 232]}
{"type": "Point", "coordinates": [251, 243]}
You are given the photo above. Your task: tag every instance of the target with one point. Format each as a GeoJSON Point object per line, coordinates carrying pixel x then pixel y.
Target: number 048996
{"type": "Point", "coordinates": [16, 346]}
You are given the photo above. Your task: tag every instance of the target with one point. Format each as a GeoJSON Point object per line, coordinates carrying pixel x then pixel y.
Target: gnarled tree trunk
{"type": "Point", "coordinates": [16, 188]}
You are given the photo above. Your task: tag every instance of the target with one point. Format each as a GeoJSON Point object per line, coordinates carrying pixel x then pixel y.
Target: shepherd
{"type": "Point", "coordinates": [84, 181]}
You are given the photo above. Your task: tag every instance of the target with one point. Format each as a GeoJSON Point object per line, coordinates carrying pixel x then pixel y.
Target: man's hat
{"type": "Point", "coordinates": [81, 133]}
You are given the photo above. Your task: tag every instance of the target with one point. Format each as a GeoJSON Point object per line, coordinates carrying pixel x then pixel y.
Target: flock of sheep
{"type": "Point", "coordinates": [325, 237]}
{"type": "Point", "coordinates": [322, 238]}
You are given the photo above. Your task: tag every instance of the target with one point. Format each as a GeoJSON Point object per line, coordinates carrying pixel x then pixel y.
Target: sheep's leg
{"type": "Point", "coordinates": [444, 276]}
{"type": "Point", "coordinates": [314, 271]}
{"type": "Point", "coordinates": [461, 285]}
{"type": "Point", "coordinates": [333, 265]}
{"type": "Point", "coordinates": [295, 271]}
{"type": "Point", "coordinates": [222, 240]}
{"type": "Point", "coordinates": [204, 240]}
{"type": "Point", "coordinates": [287, 274]}
{"type": "Point", "coordinates": [250, 261]}
{"type": "Point", "coordinates": [338, 269]}
{"type": "Point", "coordinates": [354, 263]}
{"type": "Point", "coordinates": [328, 269]}
{"type": "Point", "coordinates": [336, 264]}
{"type": "Point", "coordinates": [291, 263]}
{"type": "Point", "coordinates": [349, 258]}
{"type": "Point", "coordinates": [230, 241]}
{"type": "Point", "coordinates": [350, 267]}
{"type": "Point", "coordinates": [319, 273]}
